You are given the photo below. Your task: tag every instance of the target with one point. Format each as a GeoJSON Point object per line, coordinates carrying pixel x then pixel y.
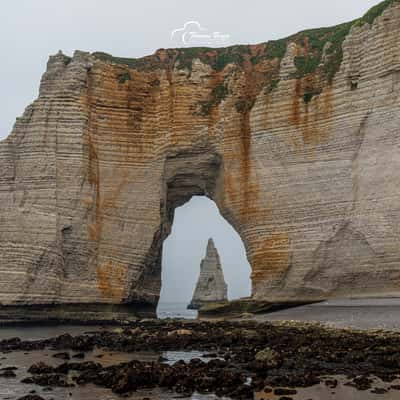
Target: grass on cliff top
{"type": "Point", "coordinates": [313, 40]}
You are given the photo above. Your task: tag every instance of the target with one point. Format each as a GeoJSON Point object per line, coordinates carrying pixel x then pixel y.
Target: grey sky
{"type": "Point", "coordinates": [30, 30]}
{"type": "Point", "coordinates": [194, 224]}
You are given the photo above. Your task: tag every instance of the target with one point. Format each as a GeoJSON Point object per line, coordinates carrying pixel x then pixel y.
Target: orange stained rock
{"type": "Point", "coordinates": [111, 280]}
{"type": "Point", "coordinates": [271, 257]}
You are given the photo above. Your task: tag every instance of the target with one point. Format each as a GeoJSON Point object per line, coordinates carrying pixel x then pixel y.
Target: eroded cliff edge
{"type": "Point", "coordinates": [297, 141]}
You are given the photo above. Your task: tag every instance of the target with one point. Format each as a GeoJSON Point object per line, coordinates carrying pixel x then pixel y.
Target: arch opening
{"type": "Point", "coordinates": [193, 224]}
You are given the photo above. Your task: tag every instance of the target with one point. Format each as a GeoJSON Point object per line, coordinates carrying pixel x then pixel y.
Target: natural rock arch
{"type": "Point", "coordinates": [197, 172]}
{"type": "Point", "coordinates": [93, 170]}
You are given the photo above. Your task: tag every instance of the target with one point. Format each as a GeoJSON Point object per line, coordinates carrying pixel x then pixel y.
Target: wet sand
{"type": "Point", "coordinates": [341, 392]}
{"type": "Point", "coordinates": [46, 332]}
{"type": "Point", "coordinates": [12, 388]}
{"type": "Point", "coordinates": [365, 314]}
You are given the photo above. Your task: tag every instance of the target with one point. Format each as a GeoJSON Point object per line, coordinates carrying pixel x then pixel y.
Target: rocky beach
{"type": "Point", "coordinates": [295, 140]}
{"type": "Point", "coordinates": [170, 358]}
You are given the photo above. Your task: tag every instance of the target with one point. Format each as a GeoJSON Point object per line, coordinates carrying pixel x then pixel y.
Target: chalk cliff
{"type": "Point", "coordinates": [211, 286]}
{"type": "Point", "coordinates": [297, 141]}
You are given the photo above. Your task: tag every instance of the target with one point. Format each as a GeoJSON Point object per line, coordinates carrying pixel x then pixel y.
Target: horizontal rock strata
{"type": "Point", "coordinates": [211, 286]}
{"type": "Point", "coordinates": [297, 141]}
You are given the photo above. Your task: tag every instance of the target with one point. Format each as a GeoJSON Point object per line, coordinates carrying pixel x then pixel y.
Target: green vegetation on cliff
{"type": "Point", "coordinates": [313, 41]}
{"type": "Point", "coordinates": [218, 94]}
{"type": "Point", "coordinates": [124, 77]}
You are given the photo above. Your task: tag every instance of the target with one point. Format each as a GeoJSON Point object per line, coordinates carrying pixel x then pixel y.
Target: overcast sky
{"type": "Point", "coordinates": [30, 30]}
{"type": "Point", "coordinates": [194, 224]}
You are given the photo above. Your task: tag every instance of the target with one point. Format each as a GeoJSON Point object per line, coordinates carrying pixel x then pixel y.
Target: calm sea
{"type": "Point", "coordinates": [175, 310]}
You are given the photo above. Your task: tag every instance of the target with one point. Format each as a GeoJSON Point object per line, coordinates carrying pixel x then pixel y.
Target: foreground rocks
{"type": "Point", "coordinates": [243, 357]}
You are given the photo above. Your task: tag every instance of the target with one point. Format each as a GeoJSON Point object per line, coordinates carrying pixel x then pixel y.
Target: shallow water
{"type": "Point", "coordinates": [12, 389]}
{"type": "Point", "coordinates": [175, 310]}
{"type": "Point", "coordinates": [363, 314]}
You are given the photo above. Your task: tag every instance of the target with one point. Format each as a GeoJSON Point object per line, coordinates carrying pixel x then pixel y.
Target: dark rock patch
{"type": "Point", "coordinates": [250, 357]}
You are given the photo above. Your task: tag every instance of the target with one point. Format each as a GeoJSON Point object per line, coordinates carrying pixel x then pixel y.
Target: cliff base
{"type": "Point", "coordinates": [237, 308]}
{"type": "Point", "coordinates": [82, 314]}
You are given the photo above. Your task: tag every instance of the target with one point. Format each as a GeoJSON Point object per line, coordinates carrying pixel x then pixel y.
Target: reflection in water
{"type": "Point", "coordinates": [360, 314]}
{"type": "Point", "coordinates": [12, 389]}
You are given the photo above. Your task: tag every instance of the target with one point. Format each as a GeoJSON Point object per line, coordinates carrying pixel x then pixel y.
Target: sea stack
{"type": "Point", "coordinates": [211, 286]}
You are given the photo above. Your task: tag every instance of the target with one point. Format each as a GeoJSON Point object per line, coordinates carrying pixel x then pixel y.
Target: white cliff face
{"type": "Point", "coordinates": [211, 286]}
{"type": "Point", "coordinates": [305, 168]}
